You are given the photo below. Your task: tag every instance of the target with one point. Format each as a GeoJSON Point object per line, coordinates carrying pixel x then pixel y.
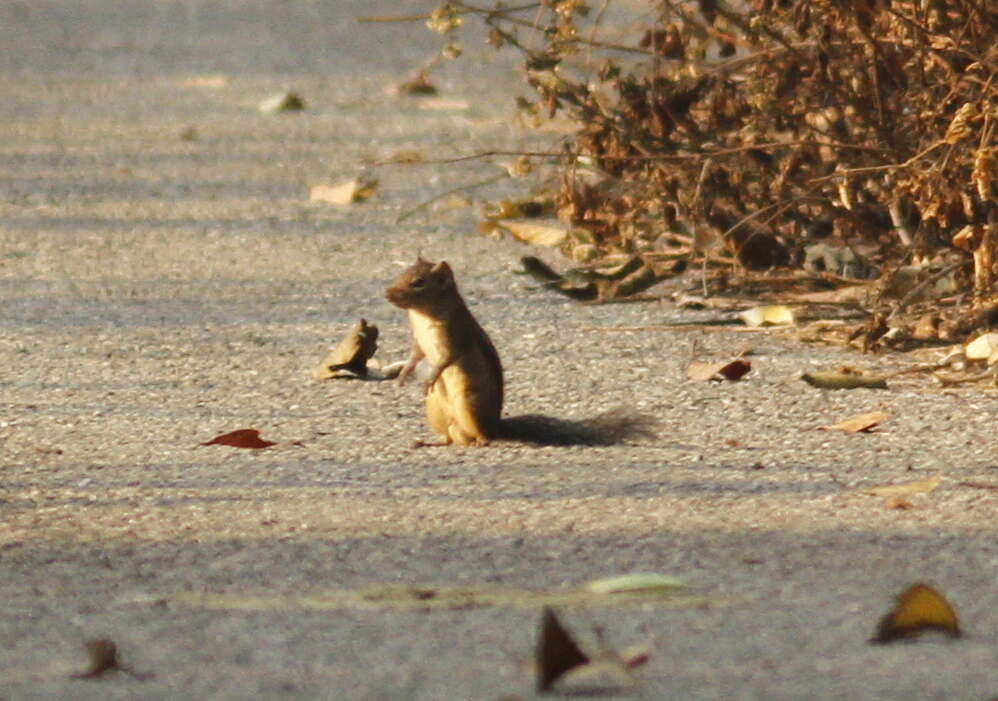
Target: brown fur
{"type": "Point", "coordinates": [465, 390]}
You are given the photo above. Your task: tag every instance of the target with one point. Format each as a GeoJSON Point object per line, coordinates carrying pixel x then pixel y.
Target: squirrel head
{"type": "Point", "coordinates": [424, 286]}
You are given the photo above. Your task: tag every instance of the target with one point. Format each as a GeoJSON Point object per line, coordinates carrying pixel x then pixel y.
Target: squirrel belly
{"type": "Point", "coordinates": [464, 402]}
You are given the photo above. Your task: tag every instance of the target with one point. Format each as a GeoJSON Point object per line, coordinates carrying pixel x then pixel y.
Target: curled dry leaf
{"type": "Point", "coordinates": [918, 609]}
{"type": "Point", "coordinates": [242, 438]}
{"type": "Point", "coordinates": [638, 582]}
{"type": "Point", "coordinates": [550, 279]}
{"type": "Point", "coordinates": [563, 667]}
{"type": "Point", "coordinates": [556, 652]}
{"type": "Point", "coordinates": [843, 380]}
{"type": "Point", "coordinates": [534, 234]}
{"type": "Point", "coordinates": [287, 101]}
{"type": "Point", "coordinates": [346, 192]}
{"type": "Point", "coordinates": [351, 354]}
{"type": "Point", "coordinates": [730, 370]}
{"type": "Point", "coordinates": [103, 654]}
{"type": "Point", "coordinates": [418, 86]}
{"type": "Point", "coordinates": [862, 423]}
{"type": "Point", "coordinates": [774, 315]}
{"type": "Point", "coordinates": [983, 347]}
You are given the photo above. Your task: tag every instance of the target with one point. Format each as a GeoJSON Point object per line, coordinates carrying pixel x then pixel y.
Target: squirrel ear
{"type": "Point", "coordinates": [442, 268]}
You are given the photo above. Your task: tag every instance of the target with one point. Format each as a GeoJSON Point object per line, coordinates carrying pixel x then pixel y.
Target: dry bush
{"type": "Point", "coordinates": [768, 124]}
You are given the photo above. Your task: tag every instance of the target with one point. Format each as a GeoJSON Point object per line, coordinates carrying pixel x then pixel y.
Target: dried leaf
{"type": "Point", "coordinates": [283, 102]}
{"type": "Point", "coordinates": [842, 380]}
{"type": "Point", "coordinates": [636, 582]}
{"type": "Point", "coordinates": [546, 276]}
{"type": "Point", "coordinates": [904, 490]}
{"type": "Point", "coordinates": [730, 370]}
{"type": "Point", "coordinates": [556, 652]}
{"type": "Point", "coordinates": [898, 503]}
{"type": "Point", "coordinates": [605, 675]}
{"type": "Point", "coordinates": [982, 347]}
{"type": "Point", "coordinates": [535, 234]}
{"type": "Point", "coordinates": [919, 608]}
{"type": "Point", "coordinates": [419, 86]}
{"type": "Point", "coordinates": [346, 192]}
{"type": "Point", "coordinates": [773, 315]}
{"type": "Point", "coordinates": [861, 423]}
{"type": "Point", "coordinates": [103, 654]}
{"type": "Point", "coordinates": [351, 354]}
{"type": "Point", "coordinates": [243, 438]}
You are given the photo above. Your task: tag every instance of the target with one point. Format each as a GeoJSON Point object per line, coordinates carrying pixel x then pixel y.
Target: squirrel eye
{"type": "Point", "coordinates": [418, 282]}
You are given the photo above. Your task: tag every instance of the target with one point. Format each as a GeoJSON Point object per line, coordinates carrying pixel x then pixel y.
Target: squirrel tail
{"type": "Point", "coordinates": [608, 428]}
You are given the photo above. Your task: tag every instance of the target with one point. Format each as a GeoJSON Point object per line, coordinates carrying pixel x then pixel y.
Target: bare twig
{"type": "Point", "coordinates": [463, 188]}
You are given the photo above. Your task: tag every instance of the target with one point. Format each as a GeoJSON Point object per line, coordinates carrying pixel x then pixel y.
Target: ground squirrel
{"type": "Point", "coordinates": [464, 392]}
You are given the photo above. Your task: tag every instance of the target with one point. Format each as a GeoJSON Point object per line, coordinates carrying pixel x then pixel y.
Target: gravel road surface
{"type": "Point", "coordinates": [165, 278]}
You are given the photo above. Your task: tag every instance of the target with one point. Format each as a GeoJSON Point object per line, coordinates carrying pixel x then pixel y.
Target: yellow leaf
{"type": "Point", "coordinates": [861, 423]}
{"type": "Point", "coordinates": [982, 347]}
{"type": "Point", "coordinates": [919, 608]}
{"type": "Point", "coordinates": [774, 315]}
{"type": "Point", "coordinates": [535, 234]}
{"type": "Point", "coordinates": [347, 192]}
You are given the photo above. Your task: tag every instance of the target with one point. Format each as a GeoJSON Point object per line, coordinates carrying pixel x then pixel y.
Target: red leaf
{"type": "Point", "coordinates": [243, 438]}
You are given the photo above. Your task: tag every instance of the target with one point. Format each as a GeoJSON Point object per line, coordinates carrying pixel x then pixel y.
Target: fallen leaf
{"type": "Point", "coordinates": [861, 423]}
{"type": "Point", "coordinates": [529, 207]}
{"type": "Point", "coordinates": [534, 234]}
{"type": "Point", "coordinates": [905, 489]}
{"type": "Point", "coordinates": [351, 354]}
{"type": "Point", "coordinates": [774, 315]}
{"type": "Point", "coordinates": [730, 370]}
{"type": "Point", "coordinates": [637, 582]}
{"type": "Point", "coordinates": [606, 675]}
{"type": "Point", "coordinates": [243, 438]}
{"type": "Point", "coordinates": [103, 654]}
{"type": "Point", "coordinates": [556, 652]}
{"type": "Point", "coordinates": [283, 102]}
{"type": "Point", "coordinates": [919, 608]}
{"type": "Point", "coordinates": [843, 380]}
{"type": "Point", "coordinates": [419, 86]}
{"type": "Point", "coordinates": [346, 192]}
{"type": "Point", "coordinates": [983, 347]}
{"type": "Point", "coordinates": [898, 503]}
